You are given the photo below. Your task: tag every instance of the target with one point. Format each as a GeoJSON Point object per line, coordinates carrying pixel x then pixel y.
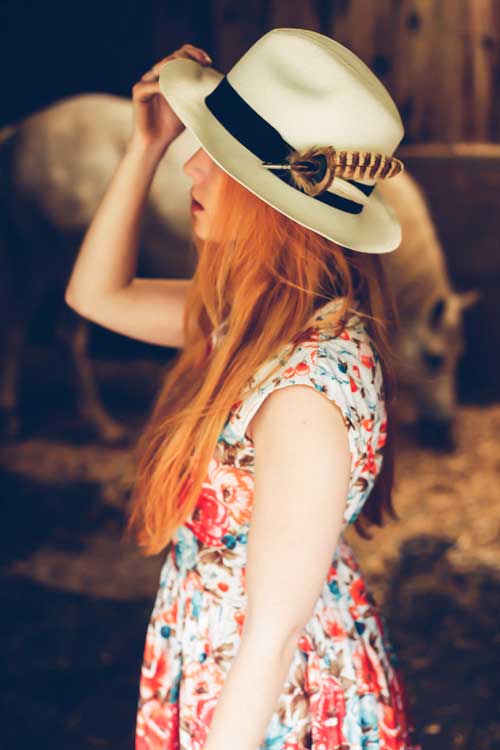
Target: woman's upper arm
{"type": "Point", "coordinates": [302, 472]}
{"type": "Point", "coordinates": [150, 310]}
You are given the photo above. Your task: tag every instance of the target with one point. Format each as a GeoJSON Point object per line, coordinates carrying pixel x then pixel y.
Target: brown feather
{"type": "Point", "coordinates": [314, 169]}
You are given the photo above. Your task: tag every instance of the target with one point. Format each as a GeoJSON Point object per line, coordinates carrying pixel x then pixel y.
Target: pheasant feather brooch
{"type": "Point", "coordinates": [314, 169]}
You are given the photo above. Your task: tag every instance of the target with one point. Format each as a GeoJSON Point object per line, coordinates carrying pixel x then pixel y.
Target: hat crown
{"type": "Point", "coordinates": [313, 90]}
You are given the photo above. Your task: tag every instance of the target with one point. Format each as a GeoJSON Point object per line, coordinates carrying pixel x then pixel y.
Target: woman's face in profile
{"type": "Point", "coordinates": [205, 175]}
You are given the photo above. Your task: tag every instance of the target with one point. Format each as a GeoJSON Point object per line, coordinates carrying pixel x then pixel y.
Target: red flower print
{"type": "Point", "coordinates": [390, 730]}
{"type": "Point", "coordinates": [358, 591]}
{"type": "Point", "coordinates": [367, 360]}
{"type": "Point", "coordinates": [401, 704]}
{"type": "Point", "coordinates": [201, 689]}
{"type": "Point", "coordinates": [157, 726]}
{"type": "Point", "coordinates": [168, 615]}
{"type": "Point", "coordinates": [396, 725]}
{"type": "Point", "coordinates": [330, 621]}
{"type": "Point", "coordinates": [353, 611]}
{"type": "Point", "coordinates": [154, 667]}
{"type": "Point", "coordinates": [382, 434]}
{"type": "Point", "coordinates": [236, 405]}
{"type": "Point", "coordinates": [305, 644]}
{"type": "Point", "coordinates": [209, 519]}
{"type": "Point", "coordinates": [365, 354]}
{"type": "Point", "coordinates": [344, 335]}
{"type": "Point", "coordinates": [235, 488]}
{"type": "Point", "coordinates": [201, 718]}
{"type": "Point", "coordinates": [336, 631]}
{"type": "Point", "coordinates": [370, 677]}
{"type": "Point", "coordinates": [367, 424]}
{"type": "Point", "coordinates": [312, 680]}
{"type": "Point", "coordinates": [370, 464]}
{"type": "Point", "coordinates": [302, 368]}
{"type": "Point", "coordinates": [239, 617]}
{"type": "Point", "coordinates": [353, 385]}
{"type": "Point", "coordinates": [332, 573]}
{"type": "Point", "coordinates": [327, 713]}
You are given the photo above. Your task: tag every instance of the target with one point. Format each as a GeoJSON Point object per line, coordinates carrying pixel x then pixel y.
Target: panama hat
{"type": "Point", "coordinates": [305, 125]}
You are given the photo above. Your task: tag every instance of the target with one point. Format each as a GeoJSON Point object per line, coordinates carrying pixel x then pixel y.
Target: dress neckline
{"type": "Point", "coordinates": [330, 307]}
{"type": "Point", "coordinates": [321, 312]}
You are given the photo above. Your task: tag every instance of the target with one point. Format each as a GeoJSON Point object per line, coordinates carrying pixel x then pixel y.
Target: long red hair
{"type": "Point", "coordinates": [266, 275]}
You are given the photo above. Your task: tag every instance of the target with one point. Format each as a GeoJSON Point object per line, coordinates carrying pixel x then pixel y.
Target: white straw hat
{"type": "Point", "coordinates": [292, 90]}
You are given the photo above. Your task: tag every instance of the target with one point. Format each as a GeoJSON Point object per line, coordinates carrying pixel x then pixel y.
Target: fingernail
{"type": "Point", "coordinates": [208, 57]}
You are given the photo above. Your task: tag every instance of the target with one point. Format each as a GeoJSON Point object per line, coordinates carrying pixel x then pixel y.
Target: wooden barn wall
{"type": "Point", "coordinates": [438, 58]}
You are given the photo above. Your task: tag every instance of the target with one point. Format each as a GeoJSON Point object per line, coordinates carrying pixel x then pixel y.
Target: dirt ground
{"type": "Point", "coordinates": [76, 598]}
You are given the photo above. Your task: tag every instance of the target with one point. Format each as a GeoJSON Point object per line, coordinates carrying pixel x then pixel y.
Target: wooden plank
{"type": "Point", "coordinates": [176, 24]}
{"type": "Point", "coordinates": [462, 182]}
{"type": "Point", "coordinates": [294, 14]}
{"type": "Point", "coordinates": [236, 26]}
{"type": "Point", "coordinates": [492, 38]}
{"type": "Point", "coordinates": [439, 59]}
{"type": "Point", "coordinates": [484, 55]}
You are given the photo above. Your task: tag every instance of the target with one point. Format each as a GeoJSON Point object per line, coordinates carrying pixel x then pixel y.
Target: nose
{"type": "Point", "coordinates": [189, 167]}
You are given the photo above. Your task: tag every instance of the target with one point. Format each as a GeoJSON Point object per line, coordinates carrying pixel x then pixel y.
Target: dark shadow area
{"type": "Point", "coordinates": [72, 661]}
{"type": "Point", "coordinates": [71, 666]}
{"type": "Point", "coordinates": [36, 513]}
{"type": "Point", "coordinates": [444, 624]}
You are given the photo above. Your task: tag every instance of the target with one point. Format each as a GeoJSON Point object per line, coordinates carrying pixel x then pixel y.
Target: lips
{"type": "Point", "coordinates": [195, 203]}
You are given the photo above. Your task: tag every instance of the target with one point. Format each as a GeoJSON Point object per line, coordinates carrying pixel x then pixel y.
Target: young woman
{"type": "Point", "coordinates": [263, 633]}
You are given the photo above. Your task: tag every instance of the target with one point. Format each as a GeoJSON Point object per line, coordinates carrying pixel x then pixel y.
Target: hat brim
{"type": "Point", "coordinates": [185, 83]}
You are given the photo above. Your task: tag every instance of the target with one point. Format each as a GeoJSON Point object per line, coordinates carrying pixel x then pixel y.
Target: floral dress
{"type": "Point", "coordinates": [344, 690]}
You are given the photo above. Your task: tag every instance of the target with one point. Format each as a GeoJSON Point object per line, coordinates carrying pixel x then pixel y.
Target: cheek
{"type": "Point", "coordinates": [216, 181]}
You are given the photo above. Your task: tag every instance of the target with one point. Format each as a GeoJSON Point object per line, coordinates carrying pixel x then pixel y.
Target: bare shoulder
{"type": "Point", "coordinates": [298, 409]}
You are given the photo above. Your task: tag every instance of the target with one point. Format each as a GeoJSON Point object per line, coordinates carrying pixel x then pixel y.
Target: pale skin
{"type": "Point", "coordinates": [302, 458]}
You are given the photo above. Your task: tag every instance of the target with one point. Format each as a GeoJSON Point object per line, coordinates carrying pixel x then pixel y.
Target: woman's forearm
{"type": "Point", "coordinates": [107, 258]}
{"type": "Point", "coordinates": [250, 693]}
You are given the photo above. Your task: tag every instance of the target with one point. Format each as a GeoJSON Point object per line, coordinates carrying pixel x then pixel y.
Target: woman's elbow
{"type": "Point", "coordinates": [272, 631]}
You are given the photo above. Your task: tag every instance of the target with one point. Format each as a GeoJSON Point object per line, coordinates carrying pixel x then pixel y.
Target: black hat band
{"type": "Point", "coordinates": [259, 137]}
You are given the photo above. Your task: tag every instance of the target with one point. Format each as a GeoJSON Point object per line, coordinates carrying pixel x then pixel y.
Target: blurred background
{"type": "Point", "coordinates": [75, 598]}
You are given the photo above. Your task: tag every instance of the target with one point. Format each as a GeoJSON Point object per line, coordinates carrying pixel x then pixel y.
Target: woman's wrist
{"type": "Point", "coordinates": [147, 149]}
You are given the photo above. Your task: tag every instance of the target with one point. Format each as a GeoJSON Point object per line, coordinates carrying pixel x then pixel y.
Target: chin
{"type": "Point", "coordinates": [199, 228]}
{"type": "Point", "coordinates": [199, 233]}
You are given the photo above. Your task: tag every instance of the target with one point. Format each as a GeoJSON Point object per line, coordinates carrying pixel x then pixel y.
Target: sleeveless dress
{"type": "Point", "coordinates": [344, 689]}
